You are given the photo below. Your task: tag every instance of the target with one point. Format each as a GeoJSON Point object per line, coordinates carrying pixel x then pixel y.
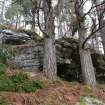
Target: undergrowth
{"type": "Point", "coordinates": [3, 102]}
{"type": "Point", "coordinates": [19, 82]}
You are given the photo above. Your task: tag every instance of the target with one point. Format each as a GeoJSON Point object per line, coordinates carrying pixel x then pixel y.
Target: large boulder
{"type": "Point", "coordinates": [11, 37]}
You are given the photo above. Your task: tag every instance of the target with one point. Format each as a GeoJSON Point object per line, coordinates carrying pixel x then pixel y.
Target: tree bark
{"type": "Point", "coordinates": [2, 9]}
{"type": "Point", "coordinates": [103, 38]}
{"type": "Point", "coordinates": [33, 20]}
{"type": "Point", "coordinates": [16, 25]}
{"type": "Point", "coordinates": [87, 68]}
{"type": "Point", "coordinates": [86, 61]}
{"type": "Point", "coordinates": [85, 55]}
{"type": "Point", "coordinates": [49, 67]}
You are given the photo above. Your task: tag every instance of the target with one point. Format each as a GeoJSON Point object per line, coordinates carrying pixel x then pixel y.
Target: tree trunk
{"type": "Point", "coordinates": [49, 67]}
{"type": "Point", "coordinates": [87, 68]}
{"type": "Point", "coordinates": [86, 61]}
{"type": "Point", "coordinates": [2, 9]}
{"type": "Point", "coordinates": [49, 64]}
{"type": "Point", "coordinates": [16, 25]}
{"type": "Point", "coordinates": [103, 38]}
{"type": "Point", "coordinates": [33, 20]}
{"type": "Point", "coordinates": [85, 55]}
{"type": "Point", "coordinates": [19, 21]}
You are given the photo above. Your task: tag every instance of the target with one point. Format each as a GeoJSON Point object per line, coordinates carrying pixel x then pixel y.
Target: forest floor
{"type": "Point", "coordinates": [58, 92]}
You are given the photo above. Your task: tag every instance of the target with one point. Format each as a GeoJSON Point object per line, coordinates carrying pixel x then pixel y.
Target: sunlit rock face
{"type": "Point", "coordinates": [14, 38]}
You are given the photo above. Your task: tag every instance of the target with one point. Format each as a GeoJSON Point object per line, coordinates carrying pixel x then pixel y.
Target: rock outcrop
{"type": "Point", "coordinates": [10, 37]}
{"type": "Point", "coordinates": [30, 57]}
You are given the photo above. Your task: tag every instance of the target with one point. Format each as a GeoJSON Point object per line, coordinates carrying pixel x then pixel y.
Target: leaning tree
{"type": "Point", "coordinates": [50, 11]}
{"type": "Point", "coordinates": [85, 33]}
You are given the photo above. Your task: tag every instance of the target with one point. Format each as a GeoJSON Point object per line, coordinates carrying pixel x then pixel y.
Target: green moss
{"type": "Point", "coordinates": [83, 101]}
{"type": "Point", "coordinates": [88, 89]}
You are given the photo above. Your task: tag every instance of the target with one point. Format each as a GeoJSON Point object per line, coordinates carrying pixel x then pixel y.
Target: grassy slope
{"type": "Point", "coordinates": [58, 92]}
